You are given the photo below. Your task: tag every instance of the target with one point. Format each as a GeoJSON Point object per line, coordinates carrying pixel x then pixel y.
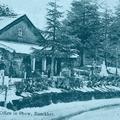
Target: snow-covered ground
{"type": "Point", "coordinates": [10, 95]}
{"type": "Point", "coordinates": [62, 111]}
{"type": "Point", "coordinates": [56, 90]}
{"type": "Point", "coordinates": [113, 70]}
{"type": "Point", "coordinates": [101, 89]}
{"type": "Point", "coordinates": [112, 113]}
{"type": "Point", "coordinates": [8, 81]}
{"type": "Point", "coordinates": [67, 111]}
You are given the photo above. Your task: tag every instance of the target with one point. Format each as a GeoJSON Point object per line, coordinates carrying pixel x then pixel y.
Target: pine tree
{"type": "Point", "coordinates": [115, 28]}
{"type": "Point", "coordinates": [53, 35]}
{"type": "Point", "coordinates": [105, 34]}
{"type": "Point", "coordinates": [5, 11]}
{"type": "Point", "coordinates": [82, 23]}
{"type": "Point", "coordinates": [115, 36]}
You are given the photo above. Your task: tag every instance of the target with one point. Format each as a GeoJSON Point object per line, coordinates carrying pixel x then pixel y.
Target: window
{"type": "Point", "coordinates": [20, 32]}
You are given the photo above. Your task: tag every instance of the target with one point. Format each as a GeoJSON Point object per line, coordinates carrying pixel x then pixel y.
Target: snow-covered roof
{"type": "Point", "coordinates": [4, 21]}
{"type": "Point", "coordinates": [23, 48]}
{"type": "Point", "coordinates": [19, 47]}
{"type": "Point", "coordinates": [11, 46]}
{"type": "Point", "coordinates": [15, 46]}
{"type": "Point", "coordinates": [74, 56]}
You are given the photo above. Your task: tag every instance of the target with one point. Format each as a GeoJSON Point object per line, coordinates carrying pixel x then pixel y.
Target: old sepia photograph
{"type": "Point", "coordinates": [59, 59]}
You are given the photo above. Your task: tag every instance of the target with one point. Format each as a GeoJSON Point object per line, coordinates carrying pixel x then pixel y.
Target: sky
{"type": "Point", "coordinates": [36, 9]}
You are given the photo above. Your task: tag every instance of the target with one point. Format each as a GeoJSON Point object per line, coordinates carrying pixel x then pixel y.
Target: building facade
{"type": "Point", "coordinates": [18, 39]}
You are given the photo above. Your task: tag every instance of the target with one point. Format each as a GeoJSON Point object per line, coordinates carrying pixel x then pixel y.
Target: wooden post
{"type": "Point", "coordinates": [25, 75]}
{"type": "Point", "coordinates": [59, 70]}
{"type": "Point", "coordinates": [33, 67]}
{"type": "Point", "coordinates": [44, 64]}
{"type": "Point", "coordinates": [3, 80]}
{"type": "Point", "coordinates": [3, 77]}
{"type": "Point", "coordinates": [116, 61]}
{"type": "Point", "coordinates": [5, 102]}
{"type": "Point", "coordinates": [60, 74]}
{"type": "Point", "coordinates": [56, 68]}
{"type": "Point", "coordinates": [52, 66]}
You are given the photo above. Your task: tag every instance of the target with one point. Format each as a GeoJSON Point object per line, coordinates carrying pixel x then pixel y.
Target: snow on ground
{"type": "Point", "coordinates": [103, 70]}
{"type": "Point", "coordinates": [7, 80]}
{"type": "Point", "coordinates": [113, 70]}
{"type": "Point", "coordinates": [4, 109]}
{"type": "Point", "coordinates": [112, 113]}
{"type": "Point", "coordinates": [10, 92]}
{"type": "Point", "coordinates": [10, 95]}
{"type": "Point", "coordinates": [13, 80]}
{"type": "Point", "coordinates": [56, 90]}
{"type": "Point", "coordinates": [101, 89]}
{"type": "Point", "coordinates": [65, 109]}
{"type": "Point", "coordinates": [27, 94]}
{"type": "Point", "coordinates": [113, 88]}
{"type": "Point", "coordinates": [110, 69]}
{"type": "Point", "coordinates": [85, 89]}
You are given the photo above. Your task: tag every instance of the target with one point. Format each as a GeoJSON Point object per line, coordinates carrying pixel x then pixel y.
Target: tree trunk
{"type": "Point", "coordinates": [105, 57]}
{"type": "Point", "coordinates": [59, 67]}
{"type": "Point", "coordinates": [52, 66]}
{"type": "Point", "coordinates": [82, 57]}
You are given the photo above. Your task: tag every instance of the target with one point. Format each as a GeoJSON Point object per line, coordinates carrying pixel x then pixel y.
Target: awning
{"type": "Point", "coordinates": [22, 48]}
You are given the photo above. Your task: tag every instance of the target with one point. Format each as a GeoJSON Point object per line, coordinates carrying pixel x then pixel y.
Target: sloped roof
{"type": "Point", "coordinates": [23, 48]}
{"type": "Point", "coordinates": [8, 22]}
{"type": "Point", "coordinates": [19, 47]}
{"type": "Point", "coordinates": [4, 21]}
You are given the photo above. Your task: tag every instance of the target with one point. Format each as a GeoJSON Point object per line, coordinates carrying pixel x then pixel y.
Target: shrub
{"type": "Point", "coordinates": [19, 88]}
